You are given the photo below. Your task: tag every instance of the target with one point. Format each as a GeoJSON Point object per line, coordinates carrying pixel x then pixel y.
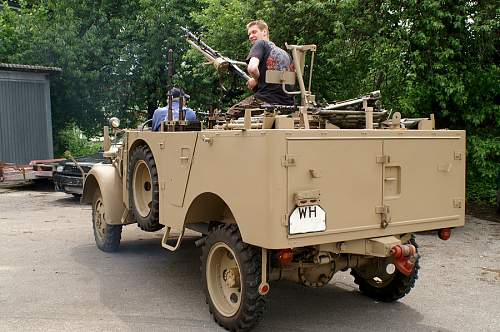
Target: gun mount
{"type": "Point", "coordinates": [362, 112]}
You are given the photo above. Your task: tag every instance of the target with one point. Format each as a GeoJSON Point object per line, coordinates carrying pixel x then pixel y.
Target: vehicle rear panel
{"type": "Point", "coordinates": [413, 180]}
{"type": "Point", "coordinates": [424, 180]}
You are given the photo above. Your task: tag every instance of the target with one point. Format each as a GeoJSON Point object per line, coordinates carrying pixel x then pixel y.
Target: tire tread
{"type": "Point", "coordinates": [399, 287]}
{"type": "Point", "coordinates": [152, 222]}
{"type": "Point", "coordinates": [252, 308]}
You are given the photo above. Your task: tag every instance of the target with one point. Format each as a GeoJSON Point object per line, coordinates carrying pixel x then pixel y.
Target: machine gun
{"type": "Point", "coordinates": [220, 62]}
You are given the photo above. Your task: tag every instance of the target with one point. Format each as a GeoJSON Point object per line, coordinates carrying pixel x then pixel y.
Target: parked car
{"type": "Point", "coordinates": [68, 177]}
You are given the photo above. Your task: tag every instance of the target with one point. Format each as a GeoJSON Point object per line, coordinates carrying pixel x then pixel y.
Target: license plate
{"type": "Point", "coordinates": [307, 219]}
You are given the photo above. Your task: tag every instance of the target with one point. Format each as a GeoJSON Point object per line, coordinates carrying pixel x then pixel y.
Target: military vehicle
{"type": "Point", "coordinates": [285, 193]}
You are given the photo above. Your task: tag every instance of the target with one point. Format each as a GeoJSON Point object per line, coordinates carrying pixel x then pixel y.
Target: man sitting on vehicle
{"type": "Point", "coordinates": [264, 55]}
{"type": "Point", "coordinates": [161, 113]}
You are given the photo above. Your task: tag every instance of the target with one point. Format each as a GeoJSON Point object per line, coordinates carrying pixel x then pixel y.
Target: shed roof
{"type": "Point", "coordinates": [29, 68]}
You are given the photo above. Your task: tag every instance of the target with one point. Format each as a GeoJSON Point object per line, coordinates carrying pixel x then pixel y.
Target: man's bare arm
{"type": "Point", "coordinates": [253, 70]}
{"type": "Point", "coordinates": [253, 67]}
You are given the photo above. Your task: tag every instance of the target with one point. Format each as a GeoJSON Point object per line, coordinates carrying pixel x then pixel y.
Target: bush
{"type": "Point", "coordinates": [71, 139]}
{"type": "Point", "coordinates": [483, 155]}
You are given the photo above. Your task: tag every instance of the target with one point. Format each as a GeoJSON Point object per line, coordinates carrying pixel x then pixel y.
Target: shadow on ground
{"type": "Point", "coordinates": [145, 280]}
{"type": "Point", "coordinates": [39, 185]}
{"type": "Point", "coordinates": [483, 211]}
{"type": "Point", "coordinates": [69, 200]}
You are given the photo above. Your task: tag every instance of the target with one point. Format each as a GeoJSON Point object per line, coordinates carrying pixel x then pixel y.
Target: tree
{"type": "Point", "coordinates": [427, 56]}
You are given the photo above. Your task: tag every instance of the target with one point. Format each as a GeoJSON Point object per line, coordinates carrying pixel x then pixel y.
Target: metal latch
{"type": "Point", "coordinates": [206, 139]}
{"type": "Point", "coordinates": [288, 160]}
{"type": "Point", "coordinates": [384, 159]}
{"type": "Point", "coordinates": [385, 215]}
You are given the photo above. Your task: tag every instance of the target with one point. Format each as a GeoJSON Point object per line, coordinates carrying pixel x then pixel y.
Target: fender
{"type": "Point", "coordinates": [106, 178]}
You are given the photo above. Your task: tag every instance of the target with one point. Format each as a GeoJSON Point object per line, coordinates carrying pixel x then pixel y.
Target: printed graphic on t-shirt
{"type": "Point", "coordinates": [271, 57]}
{"type": "Point", "coordinates": [278, 59]}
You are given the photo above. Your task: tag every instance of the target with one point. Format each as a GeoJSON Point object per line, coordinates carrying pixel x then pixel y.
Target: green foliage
{"type": "Point", "coordinates": [113, 54]}
{"type": "Point", "coordinates": [215, 23]}
{"type": "Point", "coordinates": [483, 166]}
{"type": "Point", "coordinates": [73, 142]}
{"type": "Point", "coordinates": [427, 56]}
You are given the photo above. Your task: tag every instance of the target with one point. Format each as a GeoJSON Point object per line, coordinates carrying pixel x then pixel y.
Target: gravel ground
{"type": "Point", "coordinates": [53, 278]}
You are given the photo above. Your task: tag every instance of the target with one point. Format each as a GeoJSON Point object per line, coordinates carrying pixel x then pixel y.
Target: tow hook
{"type": "Point", "coordinates": [405, 256]}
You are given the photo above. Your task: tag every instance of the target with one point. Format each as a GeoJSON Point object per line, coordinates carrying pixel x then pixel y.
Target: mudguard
{"type": "Point", "coordinates": [105, 177]}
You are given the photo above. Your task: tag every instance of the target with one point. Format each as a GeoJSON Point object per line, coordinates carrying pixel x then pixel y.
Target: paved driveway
{"type": "Point", "coordinates": [53, 278]}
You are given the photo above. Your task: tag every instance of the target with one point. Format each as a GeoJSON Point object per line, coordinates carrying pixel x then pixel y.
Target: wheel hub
{"type": "Point", "coordinates": [232, 277]}
{"type": "Point", "coordinates": [142, 183]}
{"type": "Point", "coordinates": [224, 279]}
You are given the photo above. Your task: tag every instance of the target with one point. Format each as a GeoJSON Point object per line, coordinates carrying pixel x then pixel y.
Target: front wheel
{"type": "Point", "coordinates": [376, 281]}
{"type": "Point", "coordinates": [143, 189]}
{"type": "Point", "coordinates": [231, 270]}
{"type": "Point", "coordinates": [107, 237]}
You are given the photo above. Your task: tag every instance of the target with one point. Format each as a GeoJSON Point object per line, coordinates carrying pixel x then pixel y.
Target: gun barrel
{"type": "Point", "coordinates": [211, 54]}
{"type": "Point", "coordinates": [200, 43]}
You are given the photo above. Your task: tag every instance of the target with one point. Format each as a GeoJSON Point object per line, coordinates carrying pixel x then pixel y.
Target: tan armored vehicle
{"type": "Point", "coordinates": [286, 193]}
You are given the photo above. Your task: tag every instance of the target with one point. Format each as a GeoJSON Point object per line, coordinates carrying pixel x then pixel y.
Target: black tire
{"type": "Point", "coordinates": [392, 288]}
{"type": "Point", "coordinates": [144, 191]}
{"type": "Point", "coordinates": [249, 306]}
{"type": "Point", "coordinates": [107, 237]}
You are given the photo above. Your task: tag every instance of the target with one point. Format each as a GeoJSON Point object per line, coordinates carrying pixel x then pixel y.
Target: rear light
{"type": "Point", "coordinates": [285, 256]}
{"type": "Point", "coordinates": [444, 233]}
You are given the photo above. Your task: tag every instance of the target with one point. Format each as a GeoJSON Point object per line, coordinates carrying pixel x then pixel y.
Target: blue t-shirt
{"type": "Point", "coordinates": [160, 115]}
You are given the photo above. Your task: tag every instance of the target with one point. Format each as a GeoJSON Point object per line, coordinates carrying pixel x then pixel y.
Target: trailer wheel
{"type": "Point", "coordinates": [143, 189]}
{"type": "Point", "coordinates": [107, 237]}
{"type": "Point", "coordinates": [231, 270]}
{"type": "Point", "coordinates": [386, 287]}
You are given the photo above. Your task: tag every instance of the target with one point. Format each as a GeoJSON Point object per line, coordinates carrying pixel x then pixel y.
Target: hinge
{"type": "Point", "coordinates": [284, 220]}
{"type": "Point", "coordinates": [385, 215]}
{"type": "Point", "coordinates": [384, 159]}
{"type": "Point", "coordinates": [288, 160]}
{"type": "Point", "coordinates": [457, 155]}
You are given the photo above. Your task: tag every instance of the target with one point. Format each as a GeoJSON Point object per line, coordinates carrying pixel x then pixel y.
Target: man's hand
{"type": "Point", "coordinates": [251, 83]}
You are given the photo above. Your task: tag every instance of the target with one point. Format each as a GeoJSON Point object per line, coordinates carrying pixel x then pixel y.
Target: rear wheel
{"type": "Point", "coordinates": [232, 273]}
{"type": "Point", "coordinates": [377, 281]}
{"type": "Point", "coordinates": [107, 237]}
{"type": "Point", "coordinates": [143, 189]}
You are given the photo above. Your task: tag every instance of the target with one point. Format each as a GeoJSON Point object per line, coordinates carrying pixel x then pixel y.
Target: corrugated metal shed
{"type": "Point", "coordinates": [25, 114]}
